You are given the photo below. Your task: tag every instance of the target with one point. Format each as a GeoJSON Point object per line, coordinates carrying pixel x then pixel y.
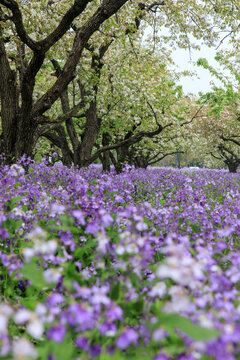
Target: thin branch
{"type": "Point", "coordinates": [128, 141]}
{"type": "Point", "coordinates": [154, 112]}
{"type": "Point", "coordinates": [194, 116]}
{"type": "Point", "coordinates": [111, 107]}
{"type": "Point", "coordinates": [105, 10]}
{"type": "Point", "coordinates": [71, 113]}
{"type": "Point", "coordinates": [18, 21]}
{"type": "Point", "coordinates": [222, 40]}
{"type": "Point", "coordinates": [165, 155]}
{"type": "Point", "coordinates": [214, 156]}
{"type": "Point", "coordinates": [230, 139]}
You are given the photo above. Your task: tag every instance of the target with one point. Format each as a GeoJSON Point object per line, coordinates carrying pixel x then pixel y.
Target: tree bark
{"type": "Point", "coordinates": [82, 156]}
{"type": "Point", "coordinates": [232, 167]}
{"type": "Point", "coordinates": [105, 158]}
{"type": "Point", "coordinates": [20, 120]}
{"type": "Point", "coordinates": [60, 141]}
{"type": "Point", "coordinates": [8, 103]}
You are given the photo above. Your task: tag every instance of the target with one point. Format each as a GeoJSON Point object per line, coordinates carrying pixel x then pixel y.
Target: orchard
{"type": "Point", "coordinates": [106, 252]}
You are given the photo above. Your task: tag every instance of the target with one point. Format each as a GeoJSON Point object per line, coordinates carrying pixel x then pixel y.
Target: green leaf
{"type": "Point", "coordinates": [16, 199]}
{"type": "Point", "coordinates": [33, 273]}
{"type": "Point", "coordinates": [66, 220]}
{"type": "Point", "coordinates": [29, 303]}
{"type": "Point", "coordinates": [198, 333]}
{"type": "Point", "coordinates": [115, 291]}
{"type": "Point", "coordinates": [61, 351]}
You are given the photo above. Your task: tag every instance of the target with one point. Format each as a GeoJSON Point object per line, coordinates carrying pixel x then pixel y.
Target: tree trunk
{"type": "Point", "coordinates": [232, 167]}
{"type": "Point", "coordinates": [60, 141]}
{"type": "Point", "coordinates": [122, 157]}
{"type": "Point", "coordinates": [82, 156]}
{"type": "Point", "coordinates": [105, 158]}
{"type": "Point", "coordinates": [141, 162]}
{"type": "Point", "coordinates": [8, 97]}
{"type": "Point", "coordinates": [25, 138]}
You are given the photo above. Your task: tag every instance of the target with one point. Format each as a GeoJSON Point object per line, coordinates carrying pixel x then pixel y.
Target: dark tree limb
{"type": "Point", "coordinates": [163, 156]}
{"type": "Point", "coordinates": [105, 10]}
{"type": "Point", "coordinates": [230, 139]}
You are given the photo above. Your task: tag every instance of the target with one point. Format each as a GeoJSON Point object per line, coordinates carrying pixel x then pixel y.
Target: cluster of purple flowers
{"type": "Point", "coordinates": [144, 264]}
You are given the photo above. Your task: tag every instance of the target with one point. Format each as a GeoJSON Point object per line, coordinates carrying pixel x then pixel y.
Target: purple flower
{"type": "Point", "coordinates": [99, 295]}
{"type": "Point", "coordinates": [107, 220]}
{"type": "Point", "coordinates": [78, 316]}
{"type": "Point", "coordinates": [115, 313]}
{"type": "Point", "coordinates": [79, 215]}
{"type": "Point", "coordinates": [82, 343]}
{"type": "Point", "coordinates": [108, 329]}
{"type": "Point", "coordinates": [55, 299]}
{"type": "Point", "coordinates": [56, 333]}
{"type": "Point", "coordinates": [4, 234]}
{"type": "Point", "coordinates": [160, 357]}
{"type": "Point", "coordinates": [126, 338]}
{"type": "Point", "coordinates": [95, 350]}
{"type": "Point", "coordinates": [51, 357]}
{"type": "Point", "coordinates": [91, 228]}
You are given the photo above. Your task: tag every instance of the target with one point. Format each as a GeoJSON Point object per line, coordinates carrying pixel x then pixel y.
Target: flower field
{"type": "Point", "coordinates": [141, 265]}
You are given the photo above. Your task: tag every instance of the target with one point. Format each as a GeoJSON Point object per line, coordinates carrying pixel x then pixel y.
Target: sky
{"type": "Point", "coordinates": [202, 81]}
{"type": "Point", "coordinates": [181, 57]}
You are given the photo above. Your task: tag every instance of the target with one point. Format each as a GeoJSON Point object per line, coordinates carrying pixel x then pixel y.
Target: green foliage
{"type": "Point", "coordinates": [171, 322]}
{"type": "Point", "coordinates": [34, 273]}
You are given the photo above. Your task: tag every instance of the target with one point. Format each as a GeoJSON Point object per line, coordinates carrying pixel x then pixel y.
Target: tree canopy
{"type": "Point", "coordinates": [83, 75]}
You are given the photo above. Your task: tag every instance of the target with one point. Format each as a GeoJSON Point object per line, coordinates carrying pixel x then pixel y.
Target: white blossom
{"type": "Point", "coordinates": [35, 328]}
{"type": "Point", "coordinates": [23, 349]}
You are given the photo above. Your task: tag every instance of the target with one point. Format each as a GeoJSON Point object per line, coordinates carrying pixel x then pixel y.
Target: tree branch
{"type": "Point", "coordinates": [230, 139]}
{"type": "Point", "coordinates": [162, 157]}
{"type": "Point", "coordinates": [128, 141]}
{"type": "Point", "coordinates": [194, 116]}
{"type": "Point", "coordinates": [105, 10]}
{"type": "Point", "coordinates": [18, 21]}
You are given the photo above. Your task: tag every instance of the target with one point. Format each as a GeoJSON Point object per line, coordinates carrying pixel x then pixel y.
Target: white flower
{"type": "Point", "coordinates": [132, 248]}
{"type": "Point", "coordinates": [51, 246]}
{"type": "Point", "coordinates": [6, 310]}
{"type": "Point", "coordinates": [22, 316]}
{"type": "Point", "coordinates": [120, 250]}
{"type": "Point", "coordinates": [22, 349]}
{"type": "Point", "coordinates": [18, 212]}
{"type": "Point", "coordinates": [17, 170]}
{"type": "Point", "coordinates": [205, 321]}
{"type": "Point", "coordinates": [158, 290]}
{"type": "Point", "coordinates": [52, 276]}
{"type": "Point", "coordinates": [28, 253]}
{"type": "Point", "coordinates": [37, 234]}
{"type": "Point", "coordinates": [103, 241]}
{"type": "Point", "coordinates": [179, 300]}
{"type": "Point", "coordinates": [57, 209]}
{"type": "Point", "coordinates": [3, 324]}
{"type": "Point", "coordinates": [40, 309]}
{"type": "Point", "coordinates": [141, 226]}
{"type": "Point", "coordinates": [35, 328]}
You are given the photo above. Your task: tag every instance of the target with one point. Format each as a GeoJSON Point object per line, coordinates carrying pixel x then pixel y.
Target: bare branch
{"type": "Point", "coordinates": [128, 141]}
{"type": "Point", "coordinates": [76, 9]}
{"type": "Point", "coordinates": [230, 139]}
{"type": "Point", "coordinates": [71, 113]}
{"type": "Point", "coordinates": [105, 10]}
{"type": "Point", "coordinates": [163, 156]}
{"type": "Point", "coordinates": [194, 116]}
{"type": "Point", "coordinates": [224, 38]}
{"type": "Point", "coordinates": [154, 112]}
{"type": "Point", "coordinates": [18, 21]}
